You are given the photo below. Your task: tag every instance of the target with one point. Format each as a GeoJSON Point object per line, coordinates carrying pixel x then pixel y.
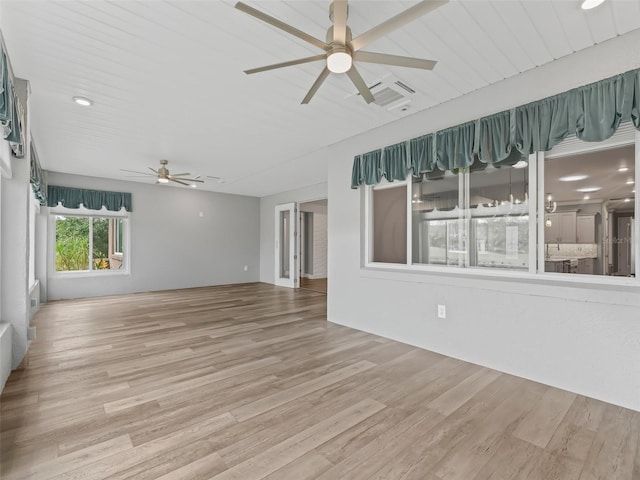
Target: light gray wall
{"type": "Point", "coordinates": [267, 220]}
{"type": "Point", "coordinates": [320, 236]}
{"type": "Point", "coordinates": [14, 248]}
{"type": "Point", "coordinates": [583, 338]}
{"type": "Point", "coordinates": [172, 246]}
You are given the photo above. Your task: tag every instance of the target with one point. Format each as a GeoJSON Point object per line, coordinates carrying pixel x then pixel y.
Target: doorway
{"type": "Point", "coordinates": [285, 246]}
{"type": "Point", "coordinates": [313, 245]}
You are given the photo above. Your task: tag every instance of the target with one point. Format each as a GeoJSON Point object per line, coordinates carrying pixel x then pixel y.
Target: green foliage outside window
{"type": "Point", "coordinates": [72, 243]}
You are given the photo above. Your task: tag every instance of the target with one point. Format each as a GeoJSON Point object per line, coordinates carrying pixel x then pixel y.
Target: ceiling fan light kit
{"type": "Point", "coordinates": [339, 61]}
{"type": "Point", "coordinates": [341, 50]}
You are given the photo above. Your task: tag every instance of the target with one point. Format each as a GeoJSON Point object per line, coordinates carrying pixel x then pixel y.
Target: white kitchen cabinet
{"type": "Point", "coordinates": [585, 266]}
{"type": "Point", "coordinates": [567, 227]}
{"type": "Point", "coordinates": [586, 229]}
{"type": "Point", "coordinates": [562, 228]}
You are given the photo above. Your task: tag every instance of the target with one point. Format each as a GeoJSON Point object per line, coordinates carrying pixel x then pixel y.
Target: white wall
{"type": "Point", "coordinates": [171, 245]}
{"type": "Point", "coordinates": [14, 248]}
{"type": "Point", "coordinates": [5, 353]}
{"type": "Point", "coordinates": [585, 339]}
{"type": "Point", "coordinates": [320, 245]}
{"type": "Point", "coordinates": [5, 327]}
{"type": "Point", "coordinates": [267, 219]}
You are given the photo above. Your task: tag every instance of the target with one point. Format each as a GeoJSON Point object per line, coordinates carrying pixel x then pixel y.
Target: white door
{"type": "Point", "coordinates": [286, 244]}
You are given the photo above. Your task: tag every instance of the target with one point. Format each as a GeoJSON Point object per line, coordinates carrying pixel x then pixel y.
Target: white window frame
{"type": "Point", "coordinates": [34, 210]}
{"type": "Point", "coordinates": [626, 135]}
{"type": "Point", "coordinates": [368, 213]}
{"type": "Point", "coordinates": [116, 236]}
{"type": "Point", "coordinates": [83, 212]}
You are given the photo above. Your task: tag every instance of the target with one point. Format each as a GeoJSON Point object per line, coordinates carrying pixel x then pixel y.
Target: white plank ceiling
{"type": "Point", "coordinates": [167, 77]}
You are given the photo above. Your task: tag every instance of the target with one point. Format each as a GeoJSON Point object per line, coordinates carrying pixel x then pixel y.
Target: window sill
{"type": "Point", "coordinates": [556, 285]}
{"type": "Point", "coordinates": [89, 274]}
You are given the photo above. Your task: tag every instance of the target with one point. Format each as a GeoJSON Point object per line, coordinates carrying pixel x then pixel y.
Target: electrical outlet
{"type": "Point", "coordinates": [442, 311]}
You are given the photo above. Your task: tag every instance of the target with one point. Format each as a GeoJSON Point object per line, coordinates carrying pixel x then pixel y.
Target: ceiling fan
{"type": "Point", "coordinates": [163, 175]}
{"type": "Point", "coordinates": [341, 50]}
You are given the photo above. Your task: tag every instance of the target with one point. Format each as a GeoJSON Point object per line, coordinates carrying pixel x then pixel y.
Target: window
{"type": "Point", "coordinates": [570, 210]}
{"type": "Point", "coordinates": [499, 212]}
{"type": "Point", "coordinates": [34, 208]}
{"type": "Point", "coordinates": [478, 218]}
{"type": "Point", "coordinates": [590, 211]}
{"type": "Point", "coordinates": [87, 243]}
{"type": "Point", "coordinates": [390, 224]}
{"type": "Point", "coordinates": [437, 220]}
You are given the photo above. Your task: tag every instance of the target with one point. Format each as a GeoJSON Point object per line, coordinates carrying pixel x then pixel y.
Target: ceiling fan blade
{"type": "Point", "coordinates": [316, 85]}
{"type": "Point", "coordinates": [340, 12]}
{"type": "Point", "coordinates": [396, 22]}
{"type": "Point", "coordinates": [357, 80]}
{"type": "Point", "coordinates": [134, 171]}
{"type": "Point", "coordinates": [178, 181]}
{"type": "Point", "coordinates": [298, 61]}
{"type": "Point", "coordinates": [171, 177]}
{"type": "Point", "coordinates": [397, 60]}
{"type": "Point", "coordinates": [179, 174]}
{"type": "Point", "coordinates": [154, 171]}
{"type": "Point", "coordinates": [281, 25]}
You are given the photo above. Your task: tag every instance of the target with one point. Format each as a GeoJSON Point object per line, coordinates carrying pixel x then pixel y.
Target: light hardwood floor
{"type": "Point", "coordinates": [317, 284]}
{"type": "Point", "coordinates": [250, 382]}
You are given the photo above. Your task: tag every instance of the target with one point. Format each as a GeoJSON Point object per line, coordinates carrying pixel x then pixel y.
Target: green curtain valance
{"type": "Point", "coordinates": [592, 113]}
{"type": "Point", "coordinates": [38, 183]}
{"type": "Point", "coordinates": [10, 109]}
{"type": "Point", "coordinates": [423, 155]}
{"type": "Point", "coordinates": [455, 147]}
{"type": "Point", "coordinates": [91, 199]}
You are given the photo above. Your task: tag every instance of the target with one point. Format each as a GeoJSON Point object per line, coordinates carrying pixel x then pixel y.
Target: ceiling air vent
{"type": "Point", "coordinates": [390, 93]}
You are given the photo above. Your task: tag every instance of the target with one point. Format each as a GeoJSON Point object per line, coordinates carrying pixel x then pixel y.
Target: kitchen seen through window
{"type": "Point", "coordinates": [578, 218]}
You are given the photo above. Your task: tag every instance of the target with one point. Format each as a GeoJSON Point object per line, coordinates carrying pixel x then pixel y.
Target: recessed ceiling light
{"type": "Point", "coordinates": [630, 182]}
{"type": "Point", "coordinates": [589, 4]}
{"type": "Point", "coordinates": [586, 197]}
{"type": "Point", "coordinates": [193, 185]}
{"type": "Point", "coordinates": [572, 178]}
{"type": "Point", "coordinates": [627, 199]}
{"type": "Point", "coordinates": [84, 101]}
{"type": "Point", "coordinates": [623, 169]}
{"type": "Point", "coordinates": [520, 164]}
{"type": "Point", "coordinates": [588, 189]}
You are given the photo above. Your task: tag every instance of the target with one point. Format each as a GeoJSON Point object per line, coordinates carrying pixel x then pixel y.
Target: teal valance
{"type": "Point", "coordinates": [455, 147]}
{"type": "Point", "coordinates": [11, 113]}
{"type": "Point", "coordinates": [91, 199]}
{"type": "Point", "coordinates": [592, 113]}
{"type": "Point", "coordinates": [37, 180]}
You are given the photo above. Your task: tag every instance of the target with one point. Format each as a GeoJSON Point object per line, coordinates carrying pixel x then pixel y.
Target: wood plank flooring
{"type": "Point", "coordinates": [317, 284]}
{"type": "Point", "coordinates": [250, 382]}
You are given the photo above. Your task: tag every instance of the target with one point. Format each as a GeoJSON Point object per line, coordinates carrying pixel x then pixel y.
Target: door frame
{"type": "Point", "coordinates": [292, 280]}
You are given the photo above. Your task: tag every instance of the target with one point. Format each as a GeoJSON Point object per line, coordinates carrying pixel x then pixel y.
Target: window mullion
{"type": "Point", "coordinates": [541, 211]}
{"type": "Point", "coordinates": [409, 220]}
{"type": "Point", "coordinates": [463, 187]}
{"type": "Point", "coordinates": [636, 223]}
{"type": "Point", "coordinates": [534, 213]}
{"type": "Point", "coordinates": [90, 243]}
